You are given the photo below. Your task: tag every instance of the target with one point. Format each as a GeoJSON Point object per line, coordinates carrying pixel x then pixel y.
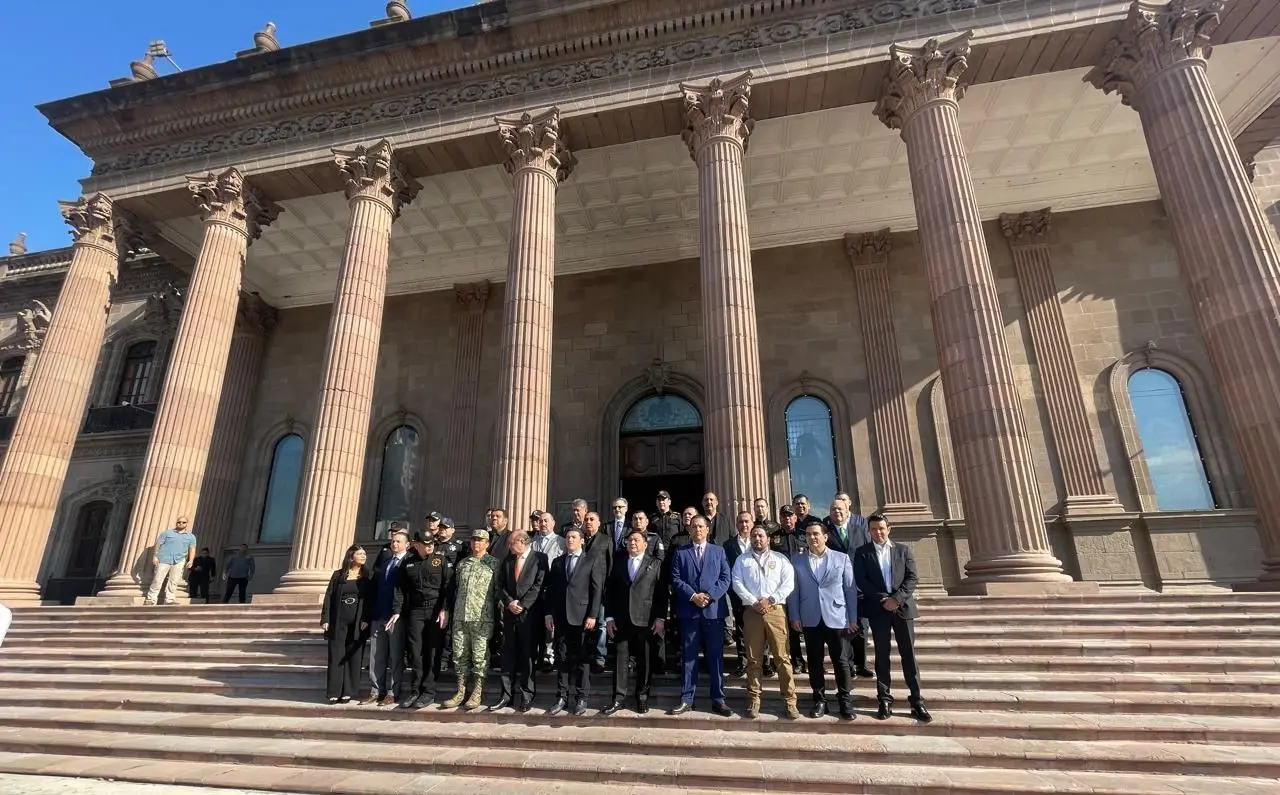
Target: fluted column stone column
{"type": "Point", "coordinates": [538, 160]}
{"type": "Point", "coordinates": [459, 445]}
{"type": "Point", "coordinates": [35, 463]}
{"type": "Point", "coordinates": [869, 253]}
{"type": "Point", "coordinates": [376, 189]}
{"type": "Point", "coordinates": [1157, 64]}
{"type": "Point", "coordinates": [1003, 515]}
{"type": "Point", "coordinates": [178, 453]}
{"type": "Point", "coordinates": [717, 128]}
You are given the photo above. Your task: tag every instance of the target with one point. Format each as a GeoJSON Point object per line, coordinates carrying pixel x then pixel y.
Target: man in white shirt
{"type": "Point", "coordinates": [762, 580]}
{"type": "Point", "coordinates": [546, 541]}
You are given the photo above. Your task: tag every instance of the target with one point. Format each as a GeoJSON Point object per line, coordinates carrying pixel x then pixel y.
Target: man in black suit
{"type": "Point", "coordinates": [597, 542]}
{"type": "Point", "coordinates": [575, 590]}
{"type": "Point", "coordinates": [735, 547]}
{"type": "Point", "coordinates": [519, 585]}
{"type": "Point", "coordinates": [636, 610]}
{"type": "Point", "coordinates": [846, 532]}
{"type": "Point", "coordinates": [886, 575]}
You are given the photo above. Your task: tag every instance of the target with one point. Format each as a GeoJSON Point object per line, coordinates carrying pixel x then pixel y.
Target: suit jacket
{"type": "Point", "coordinates": [642, 601]}
{"type": "Point", "coordinates": [721, 529]}
{"type": "Point", "coordinates": [833, 600]}
{"type": "Point", "coordinates": [732, 552]}
{"type": "Point", "coordinates": [858, 534]}
{"type": "Point", "coordinates": [529, 588]}
{"type": "Point", "coordinates": [331, 608]}
{"type": "Point", "coordinates": [569, 601]}
{"type": "Point", "coordinates": [866, 568]}
{"type": "Point", "coordinates": [601, 545]}
{"type": "Point", "coordinates": [711, 577]}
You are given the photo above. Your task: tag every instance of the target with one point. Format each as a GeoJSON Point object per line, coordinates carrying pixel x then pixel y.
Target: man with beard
{"type": "Point", "coordinates": [720, 528]}
{"type": "Point", "coordinates": [763, 581]}
{"type": "Point", "coordinates": [598, 544]}
{"type": "Point", "coordinates": [734, 548]}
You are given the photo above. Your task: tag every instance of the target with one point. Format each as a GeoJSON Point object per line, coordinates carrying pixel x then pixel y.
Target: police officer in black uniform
{"type": "Point", "coordinates": [423, 596]}
{"type": "Point", "coordinates": [665, 521]}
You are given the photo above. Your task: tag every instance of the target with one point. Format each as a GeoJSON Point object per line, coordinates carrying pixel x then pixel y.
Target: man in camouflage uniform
{"type": "Point", "coordinates": [473, 620]}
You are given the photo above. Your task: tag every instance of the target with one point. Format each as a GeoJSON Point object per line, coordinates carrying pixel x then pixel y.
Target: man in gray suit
{"type": "Point", "coordinates": [824, 605]}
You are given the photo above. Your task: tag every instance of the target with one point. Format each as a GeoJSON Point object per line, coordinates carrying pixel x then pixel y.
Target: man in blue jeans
{"type": "Point", "coordinates": [175, 550]}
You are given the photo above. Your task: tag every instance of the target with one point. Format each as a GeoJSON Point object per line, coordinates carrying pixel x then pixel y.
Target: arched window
{"type": "Point", "coordinates": [136, 375]}
{"type": "Point", "coordinates": [281, 504]}
{"type": "Point", "coordinates": [661, 413]}
{"type": "Point", "coordinates": [10, 372]}
{"type": "Point", "coordinates": [811, 452]}
{"type": "Point", "coordinates": [1169, 445]}
{"type": "Point", "coordinates": [88, 539]}
{"type": "Point", "coordinates": [399, 474]}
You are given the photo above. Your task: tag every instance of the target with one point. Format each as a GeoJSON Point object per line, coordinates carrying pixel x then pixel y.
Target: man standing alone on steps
{"type": "Point", "coordinates": [238, 574]}
{"type": "Point", "coordinates": [174, 553]}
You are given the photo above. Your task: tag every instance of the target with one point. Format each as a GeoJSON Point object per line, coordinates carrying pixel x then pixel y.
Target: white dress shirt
{"type": "Point", "coordinates": [633, 566]}
{"type": "Point", "coordinates": [764, 576]}
{"type": "Point", "coordinates": [884, 556]}
{"type": "Point", "coordinates": [817, 565]}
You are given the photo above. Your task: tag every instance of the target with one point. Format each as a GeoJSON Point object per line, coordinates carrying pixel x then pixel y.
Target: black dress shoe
{"type": "Point", "coordinates": [680, 709]}
{"type": "Point", "coordinates": [846, 714]}
{"type": "Point", "coordinates": [501, 703]}
{"type": "Point", "coordinates": [920, 713]}
{"type": "Point", "coordinates": [422, 701]}
{"type": "Point", "coordinates": [642, 707]}
{"type": "Point", "coordinates": [865, 673]}
{"type": "Point", "coordinates": [722, 709]}
{"type": "Point", "coordinates": [612, 708]}
{"type": "Point", "coordinates": [580, 709]}
{"type": "Point", "coordinates": [740, 669]}
{"type": "Point", "coordinates": [800, 667]}
{"type": "Point", "coordinates": [819, 709]}
{"type": "Point", "coordinates": [407, 703]}
{"type": "Point", "coordinates": [523, 708]}
{"type": "Point", "coordinates": [768, 672]}
{"type": "Point", "coordinates": [885, 712]}
{"type": "Point", "coordinates": [558, 707]}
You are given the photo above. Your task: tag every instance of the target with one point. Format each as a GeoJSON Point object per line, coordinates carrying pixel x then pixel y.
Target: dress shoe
{"type": "Point", "coordinates": [579, 709]}
{"type": "Point", "coordinates": [722, 709]}
{"type": "Point", "coordinates": [597, 667]}
{"type": "Point", "coordinates": [372, 698]}
{"type": "Point", "coordinates": [819, 709]}
{"type": "Point", "coordinates": [500, 704]}
{"type": "Point", "coordinates": [885, 712]}
{"type": "Point", "coordinates": [920, 713]}
{"type": "Point", "coordinates": [846, 714]}
{"type": "Point", "coordinates": [793, 712]}
{"type": "Point", "coordinates": [407, 703]}
{"type": "Point", "coordinates": [800, 666]}
{"type": "Point", "coordinates": [680, 709]}
{"type": "Point", "coordinates": [557, 707]}
{"type": "Point", "coordinates": [611, 709]}
{"type": "Point", "coordinates": [524, 707]}
{"type": "Point", "coordinates": [768, 672]}
{"type": "Point", "coordinates": [865, 673]}
{"type": "Point", "coordinates": [422, 701]}
{"type": "Point", "coordinates": [642, 707]}
{"type": "Point", "coordinates": [740, 669]}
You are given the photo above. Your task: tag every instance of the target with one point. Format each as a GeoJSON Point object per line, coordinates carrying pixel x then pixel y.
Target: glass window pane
{"type": "Point", "coordinates": [1169, 444]}
{"type": "Point", "coordinates": [661, 413]}
{"type": "Point", "coordinates": [10, 372]}
{"type": "Point", "coordinates": [811, 452]}
{"type": "Point", "coordinates": [138, 362]}
{"type": "Point", "coordinates": [282, 491]}
{"type": "Point", "coordinates": [399, 474]}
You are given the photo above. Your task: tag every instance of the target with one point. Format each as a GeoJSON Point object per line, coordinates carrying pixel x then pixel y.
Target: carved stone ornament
{"type": "Point", "coordinates": [255, 316]}
{"type": "Point", "coordinates": [1153, 38]}
{"type": "Point", "coordinates": [227, 199]}
{"type": "Point", "coordinates": [535, 142]}
{"type": "Point", "coordinates": [1027, 229]}
{"type": "Point", "coordinates": [868, 249]}
{"type": "Point", "coordinates": [717, 110]}
{"type": "Point", "coordinates": [33, 324]}
{"type": "Point", "coordinates": [919, 76]}
{"type": "Point", "coordinates": [374, 172]}
{"type": "Point", "coordinates": [162, 311]}
{"type": "Point", "coordinates": [90, 219]}
{"type": "Point", "coordinates": [472, 297]}
{"type": "Point", "coordinates": [19, 245]}
{"type": "Point", "coordinates": [263, 41]}
{"type": "Point", "coordinates": [659, 375]}
{"type": "Point", "coordinates": [122, 486]}
{"type": "Point", "coordinates": [397, 11]}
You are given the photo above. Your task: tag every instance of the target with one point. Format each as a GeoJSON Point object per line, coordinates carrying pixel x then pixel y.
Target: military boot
{"type": "Point", "coordinates": [477, 694]}
{"type": "Point", "coordinates": [456, 701]}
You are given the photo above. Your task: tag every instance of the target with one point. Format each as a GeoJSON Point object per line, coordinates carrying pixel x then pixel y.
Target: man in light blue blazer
{"type": "Point", "coordinates": [824, 605]}
{"type": "Point", "coordinates": [700, 579]}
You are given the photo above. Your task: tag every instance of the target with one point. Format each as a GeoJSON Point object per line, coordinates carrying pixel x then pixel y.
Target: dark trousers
{"type": "Point", "coordinates": [739, 613]}
{"type": "Point", "coordinates": [575, 649]}
{"type": "Point", "coordinates": [198, 589]}
{"type": "Point", "coordinates": [819, 641]}
{"type": "Point", "coordinates": [423, 638]}
{"type": "Point", "coordinates": [346, 653]}
{"type": "Point", "coordinates": [631, 640]}
{"type": "Point", "coordinates": [793, 646]}
{"type": "Point", "coordinates": [858, 643]}
{"type": "Point", "coordinates": [904, 631]}
{"type": "Point", "coordinates": [707, 635]}
{"type": "Point", "coordinates": [233, 583]}
{"type": "Point", "coordinates": [517, 657]}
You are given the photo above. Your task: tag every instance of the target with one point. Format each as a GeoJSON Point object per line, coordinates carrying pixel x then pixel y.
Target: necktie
{"type": "Point", "coordinates": [844, 536]}
{"type": "Point", "coordinates": [699, 554]}
{"type": "Point", "coordinates": [519, 568]}
{"type": "Point", "coordinates": [635, 564]}
{"type": "Point", "coordinates": [573, 561]}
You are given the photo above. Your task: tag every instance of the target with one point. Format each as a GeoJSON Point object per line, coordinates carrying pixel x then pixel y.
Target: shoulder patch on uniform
{"type": "Point", "coordinates": [435, 563]}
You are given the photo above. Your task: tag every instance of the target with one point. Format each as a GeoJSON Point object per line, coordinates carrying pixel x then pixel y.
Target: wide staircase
{"type": "Point", "coordinates": [1119, 693]}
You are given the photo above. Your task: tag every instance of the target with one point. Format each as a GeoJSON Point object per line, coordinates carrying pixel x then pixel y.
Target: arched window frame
{"type": "Point", "coordinates": [10, 380]}
{"type": "Point", "coordinates": [372, 488]}
{"type": "Point", "coordinates": [660, 396]}
{"type": "Point", "coordinates": [144, 396]}
{"type": "Point", "coordinates": [263, 456]}
{"type": "Point", "coordinates": [842, 434]}
{"type": "Point", "coordinates": [268, 483]}
{"type": "Point", "coordinates": [119, 491]}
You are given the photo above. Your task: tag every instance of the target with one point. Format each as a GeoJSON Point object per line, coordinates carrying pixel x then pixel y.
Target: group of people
{"type": "Point", "coordinates": [174, 560]}
{"type": "Point", "coordinates": [789, 595]}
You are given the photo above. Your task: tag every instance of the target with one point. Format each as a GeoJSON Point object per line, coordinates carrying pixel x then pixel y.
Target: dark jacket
{"type": "Point", "coordinates": [499, 545]}
{"type": "Point", "coordinates": [569, 601]}
{"type": "Point", "coordinates": [866, 573]}
{"type": "Point", "coordinates": [732, 552]}
{"type": "Point", "coordinates": [600, 544]}
{"type": "Point", "coordinates": [788, 543]}
{"type": "Point", "coordinates": [532, 579]}
{"type": "Point", "coordinates": [638, 603]}
{"type": "Point", "coordinates": [203, 569]}
{"type": "Point", "coordinates": [721, 527]}
{"type": "Point", "coordinates": [330, 609]}
{"type": "Point", "coordinates": [667, 525]}
{"type": "Point", "coordinates": [858, 534]}
{"type": "Point", "coordinates": [424, 585]}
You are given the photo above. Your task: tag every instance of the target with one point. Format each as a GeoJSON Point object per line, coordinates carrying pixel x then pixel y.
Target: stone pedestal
{"type": "Point", "coordinates": [538, 160]}
{"type": "Point", "coordinates": [1157, 65]}
{"type": "Point", "coordinates": [718, 126]}
{"type": "Point", "coordinates": [178, 453]}
{"type": "Point", "coordinates": [376, 190]}
{"type": "Point", "coordinates": [997, 479]}
{"type": "Point", "coordinates": [35, 464]}
{"type": "Point", "coordinates": [460, 443]}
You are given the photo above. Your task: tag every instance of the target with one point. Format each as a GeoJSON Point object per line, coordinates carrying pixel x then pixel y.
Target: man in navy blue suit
{"type": "Point", "coordinates": [700, 579]}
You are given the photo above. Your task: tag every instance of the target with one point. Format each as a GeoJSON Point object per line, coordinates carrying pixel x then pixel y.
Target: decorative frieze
{"type": "Point", "coordinates": [33, 324]}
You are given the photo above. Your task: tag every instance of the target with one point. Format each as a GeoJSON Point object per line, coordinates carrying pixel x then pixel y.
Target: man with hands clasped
{"type": "Point", "coordinates": [635, 610]}
{"type": "Point", "coordinates": [763, 580]}
{"type": "Point", "coordinates": [824, 606]}
{"type": "Point", "coordinates": [575, 590]}
{"type": "Point", "coordinates": [700, 580]}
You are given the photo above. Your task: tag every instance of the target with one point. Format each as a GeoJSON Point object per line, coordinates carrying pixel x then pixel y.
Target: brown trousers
{"type": "Point", "coordinates": [768, 630]}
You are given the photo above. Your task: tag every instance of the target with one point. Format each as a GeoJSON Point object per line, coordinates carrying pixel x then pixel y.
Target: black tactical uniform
{"type": "Point", "coordinates": [423, 590]}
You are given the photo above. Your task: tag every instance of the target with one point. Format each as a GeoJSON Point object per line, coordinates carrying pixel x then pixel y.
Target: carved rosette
{"type": "Point", "coordinates": [1027, 229]}
{"type": "Point", "coordinates": [472, 297]}
{"type": "Point", "coordinates": [1156, 37]}
{"type": "Point", "coordinates": [91, 220]}
{"type": "Point", "coordinates": [374, 172]}
{"type": "Point", "coordinates": [717, 111]}
{"type": "Point", "coordinates": [868, 249]}
{"type": "Point", "coordinates": [920, 76]}
{"type": "Point", "coordinates": [255, 316]}
{"type": "Point", "coordinates": [227, 199]}
{"type": "Point", "coordinates": [535, 142]}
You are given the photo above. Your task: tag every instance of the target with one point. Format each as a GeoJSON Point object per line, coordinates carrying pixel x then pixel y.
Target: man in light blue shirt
{"type": "Point", "coordinates": [174, 553]}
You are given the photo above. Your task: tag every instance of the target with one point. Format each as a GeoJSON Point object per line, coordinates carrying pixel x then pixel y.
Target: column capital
{"type": "Point", "coordinates": [534, 142]}
{"type": "Point", "coordinates": [92, 220]}
{"type": "Point", "coordinates": [1027, 229]}
{"type": "Point", "coordinates": [921, 76]}
{"type": "Point", "coordinates": [471, 297]}
{"type": "Point", "coordinates": [717, 110]}
{"type": "Point", "coordinates": [227, 199]}
{"type": "Point", "coordinates": [1154, 38]}
{"type": "Point", "coordinates": [868, 249]}
{"type": "Point", "coordinates": [374, 172]}
{"type": "Point", "coordinates": [254, 316]}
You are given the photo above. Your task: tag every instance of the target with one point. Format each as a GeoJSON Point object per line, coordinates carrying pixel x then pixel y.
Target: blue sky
{"type": "Point", "coordinates": [57, 50]}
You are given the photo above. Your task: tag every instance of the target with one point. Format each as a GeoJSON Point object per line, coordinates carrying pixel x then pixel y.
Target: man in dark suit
{"type": "Point", "coordinates": [575, 589]}
{"type": "Point", "coordinates": [700, 579]}
{"type": "Point", "coordinates": [718, 527]}
{"type": "Point", "coordinates": [886, 575]}
{"type": "Point", "coordinates": [520, 580]}
{"type": "Point", "coordinates": [596, 542]}
{"type": "Point", "coordinates": [846, 532]}
{"type": "Point", "coordinates": [636, 611]}
{"type": "Point", "coordinates": [424, 594]}
{"type": "Point", "coordinates": [734, 548]}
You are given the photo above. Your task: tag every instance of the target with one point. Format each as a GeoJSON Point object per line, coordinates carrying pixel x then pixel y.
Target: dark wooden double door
{"type": "Point", "coordinates": [670, 461]}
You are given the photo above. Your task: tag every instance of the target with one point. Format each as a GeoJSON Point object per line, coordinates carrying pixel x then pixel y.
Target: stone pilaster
{"type": "Point", "coordinates": [35, 463]}
{"type": "Point", "coordinates": [716, 132]}
{"type": "Point", "coordinates": [1002, 508]}
{"type": "Point", "coordinates": [255, 319]}
{"type": "Point", "coordinates": [538, 160]}
{"type": "Point", "coordinates": [869, 253]}
{"type": "Point", "coordinates": [464, 388]}
{"type": "Point", "coordinates": [376, 189]}
{"type": "Point", "coordinates": [1028, 236]}
{"type": "Point", "coordinates": [178, 453]}
{"type": "Point", "coordinates": [1157, 64]}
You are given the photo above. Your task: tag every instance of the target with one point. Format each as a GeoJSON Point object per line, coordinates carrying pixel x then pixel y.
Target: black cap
{"type": "Point", "coordinates": [434, 516]}
{"type": "Point", "coordinates": [787, 510]}
{"type": "Point", "coordinates": [420, 537]}
{"type": "Point", "coordinates": [535, 516]}
{"type": "Point", "coordinates": [664, 495]}
{"type": "Point", "coordinates": [446, 522]}
{"type": "Point", "coordinates": [811, 521]}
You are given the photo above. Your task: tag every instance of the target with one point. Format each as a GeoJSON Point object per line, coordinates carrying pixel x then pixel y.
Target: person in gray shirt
{"type": "Point", "coordinates": [238, 573]}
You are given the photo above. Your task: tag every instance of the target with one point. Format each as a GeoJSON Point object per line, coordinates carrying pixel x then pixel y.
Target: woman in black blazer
{"type": "Point", "coordinates": [348, 602]}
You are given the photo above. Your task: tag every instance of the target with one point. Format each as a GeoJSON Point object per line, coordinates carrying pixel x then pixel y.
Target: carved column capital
{"type": "Point", "coordinates": [1027, 229]}
{"type": "Point", "coordinates": [534, 142]}
{"type": "Point", "coordinates": [1154, 38]}
{"type": "Point", "coordinates": [33, 324]}
{"type": "Point", "coordinates": [471, 297]}
{"type": "Point", "coordinates": [717, 110]}
{"type": "Point", "coordinates": [374, 172]}
{"type": "Point", "coordinates": [868, 249]}
{"type": "Point", "coordinates": [255, 316]}
{"type": "Point", "coordinates": [92, 220]}
{"type": "Point", "coordinates": [920, 76]}
{"type": "Point", "coordinates": [227, 199]}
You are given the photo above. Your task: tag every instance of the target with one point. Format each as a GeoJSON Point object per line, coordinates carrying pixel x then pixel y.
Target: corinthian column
{"type": "Point", "coordinates": [1157, 66]}
{"type": "Point", "coordinates": [538, 160]}
{"type": "Point", "coordinates": [173, 470]}
{"type": "Point", "coordinates": [49, 420]}
{"type": "Point", "coordinates": [1003, 516]}
{"type": "Point", "coordinates": [469, 318]}
{"type": "Point", "coordinates": [716, 132]}
{"type": "Point", "coordinates": [869, 254]}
